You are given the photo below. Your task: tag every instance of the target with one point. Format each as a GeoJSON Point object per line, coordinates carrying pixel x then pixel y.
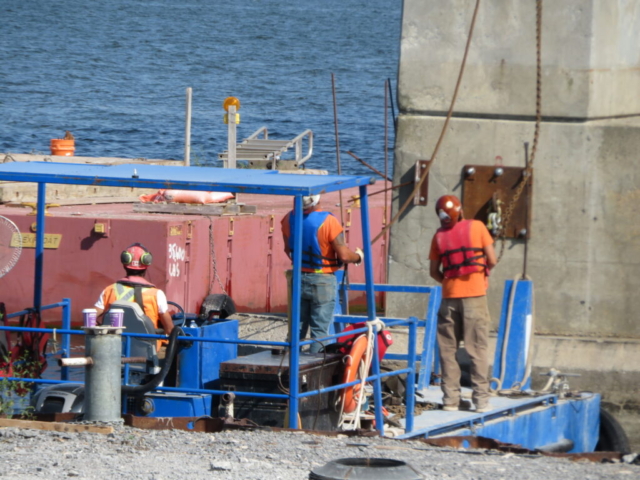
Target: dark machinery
{"type": "Point", "coordinates": [268, 372]}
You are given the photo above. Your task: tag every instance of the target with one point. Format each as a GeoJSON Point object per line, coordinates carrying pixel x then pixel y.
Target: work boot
{"type": "Point", "coordinates": [483, 407]}
{"type": "Point", "coordinates": [462, 405]}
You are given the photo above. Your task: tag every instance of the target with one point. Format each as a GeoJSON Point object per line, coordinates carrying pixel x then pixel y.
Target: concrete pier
{"type": "Point", "coordinates": [585, 243]}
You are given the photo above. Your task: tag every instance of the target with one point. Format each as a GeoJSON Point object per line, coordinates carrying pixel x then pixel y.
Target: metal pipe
{"type": "Point", "coordinates": [66, 338]}
{"type": "Point", "coordinates": [368, 259]}
{"type": "Point", "coordinates": [393, 110]}
{"type": "Point", "coordinates": [125, 360]}
{"type": "Point", "coordinates": [294, 353]}
{"type": "Point", "coordinates": [372, 168]}
{"type": "Point", "coordinates": [377, 385]}
{"type": "Point", "coordinates": [410, 393]}
{"type": "Point", "coordinates": [386, 176]}
{"type": "Point", "coordinates": [75, 361]}
{"type": "Point", "coordinates": [231, 141]}
{"type": "Point", "coordinates": [561, 446]}
{"type": "Point", "coordinates": [40, 228]}
{"type": "Point", "coordinates": [187, 130]}
{"type": "Point", "coordinates": [226, 405]}
{"type": "Point", "coordinates": [335, 123]}
{"type": "Point", "coordinates": [102, 378]}
{"type": "Point", "coordinates": [526, 211]}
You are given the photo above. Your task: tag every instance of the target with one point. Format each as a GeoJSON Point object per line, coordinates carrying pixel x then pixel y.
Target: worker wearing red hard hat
{"type": "Point", "coordinates": [135, 288]}
{"type": "Point", "coordinates": [323, 253]}
{"type": "Point", "coordinates": [461, 257]}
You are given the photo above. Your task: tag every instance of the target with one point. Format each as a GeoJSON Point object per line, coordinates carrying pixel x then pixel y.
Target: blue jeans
{"type": "Point", "coordinates": [318, 300]}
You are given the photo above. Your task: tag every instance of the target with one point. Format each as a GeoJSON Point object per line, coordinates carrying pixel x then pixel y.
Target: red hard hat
{"type": "Point", "coordinates": [136, 257]}
{"type": "Point", "coordinates": [448, 208]}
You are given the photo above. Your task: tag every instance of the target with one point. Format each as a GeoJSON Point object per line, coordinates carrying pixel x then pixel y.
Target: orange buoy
{"type": "Point", "coordinates": [63, 147]}
{"type": "Point", "coordinates": [356, 356]}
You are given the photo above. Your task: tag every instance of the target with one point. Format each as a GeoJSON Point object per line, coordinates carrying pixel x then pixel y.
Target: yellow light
{"type": "Point", "coordinates": [225, 118]}
{"type": "Point", "coordinates": [231, 101]}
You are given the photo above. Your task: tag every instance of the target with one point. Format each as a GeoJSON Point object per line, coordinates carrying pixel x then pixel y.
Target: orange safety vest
{"type": "Point", "coordinates": [124, 289]}
{"type": "Point", "coordinates": [458, 255]}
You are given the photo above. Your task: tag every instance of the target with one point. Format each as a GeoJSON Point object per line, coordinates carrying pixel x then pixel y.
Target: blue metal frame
{"type": "Point", "coordinates": [574, 413]}
{"type": "Point", "coordinates": [428, 356]}
{"type": "Point", "coordinates": [215, 179]}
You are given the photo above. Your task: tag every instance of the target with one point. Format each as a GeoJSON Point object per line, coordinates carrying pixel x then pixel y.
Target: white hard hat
{"type": "Point", "coordinates": [310, 202]}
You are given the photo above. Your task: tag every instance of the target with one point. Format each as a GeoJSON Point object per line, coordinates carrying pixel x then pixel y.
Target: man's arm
{"type": "Point", "coordinates": [490, 253]}
{"type": "Point", "coordinates": [99, 319]}
{"type": "Point", "coordinates": [344, 253]}
{"type": "Point", "coordinates": [434, 271]}
{"type": "Point", "coordinates": [285, 234]}
{"type": "Point", "coordinates": [167, 322]}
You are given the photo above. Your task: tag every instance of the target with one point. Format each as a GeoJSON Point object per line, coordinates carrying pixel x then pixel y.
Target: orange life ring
{"type": "Point", "coordinates": [352, 366]}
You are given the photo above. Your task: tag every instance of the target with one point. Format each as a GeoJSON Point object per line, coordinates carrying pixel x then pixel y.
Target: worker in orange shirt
{"type": "Point", "coordinates": [461, 257]}
{"type": "Point", "coordinates": [323, 253]}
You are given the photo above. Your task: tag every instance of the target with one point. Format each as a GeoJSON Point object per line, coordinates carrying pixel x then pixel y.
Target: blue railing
{"type": "Point", "coordinates": [411, 357]}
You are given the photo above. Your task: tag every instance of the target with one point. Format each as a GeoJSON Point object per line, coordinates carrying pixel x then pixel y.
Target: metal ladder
{"type": "Point", "coordinates": [263, 153]}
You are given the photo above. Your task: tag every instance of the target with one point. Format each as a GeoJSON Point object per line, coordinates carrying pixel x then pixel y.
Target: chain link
{"type": "Point", "coordinates": [529, 169]}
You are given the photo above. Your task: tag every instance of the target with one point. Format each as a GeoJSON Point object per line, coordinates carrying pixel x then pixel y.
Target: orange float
{"type": "Point", "coordinates": [352, 366]}
{"type": "Point", "coordinates": [63, 147]}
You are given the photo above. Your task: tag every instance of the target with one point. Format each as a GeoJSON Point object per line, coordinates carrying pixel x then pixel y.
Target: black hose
{"type": "Point", "coordinates": [172, 348]}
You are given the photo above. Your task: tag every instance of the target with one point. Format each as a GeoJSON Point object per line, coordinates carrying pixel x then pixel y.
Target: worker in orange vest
{"type": "Point", "coordinates": [135, 288]}
{"type": "Point", "coordinates": [461, 257]}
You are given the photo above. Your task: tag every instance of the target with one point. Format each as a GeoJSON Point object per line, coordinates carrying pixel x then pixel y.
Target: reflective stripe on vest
{"type": "Point", "coordinates": [312, 258]}
{"type": "Point", "coordinates": [118, 291]}
{"type": "Point", "coordinates": [459, 257]}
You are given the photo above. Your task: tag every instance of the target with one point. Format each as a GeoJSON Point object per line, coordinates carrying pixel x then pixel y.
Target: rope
{"type": "Point", "coordinates": [536, 135]}
{"type": "Point", "coordinates": [442, 133]}
{"type": "Point", "coordinates": [352, 421]}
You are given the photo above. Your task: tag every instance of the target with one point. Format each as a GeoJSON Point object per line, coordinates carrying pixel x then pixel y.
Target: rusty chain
{"type": "Point", "coordinates": [526, 175]}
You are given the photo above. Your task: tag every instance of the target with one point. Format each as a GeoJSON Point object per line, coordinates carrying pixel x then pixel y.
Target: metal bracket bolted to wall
{"type": "Point", "coordinates": [420, 198]}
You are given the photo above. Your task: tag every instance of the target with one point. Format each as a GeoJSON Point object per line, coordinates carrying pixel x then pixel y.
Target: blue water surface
{"type": "Point", "coordinates": [114, 73]}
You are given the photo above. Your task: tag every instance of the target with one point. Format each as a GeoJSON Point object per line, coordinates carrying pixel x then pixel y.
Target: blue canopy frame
{"type": "Point", "coordinates": [207, 179]}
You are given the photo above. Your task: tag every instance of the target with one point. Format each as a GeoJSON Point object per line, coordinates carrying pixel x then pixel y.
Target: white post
{"type": "Point", "coordinates": [187, 130]}
{"type": "Point", "coordinates": [231, 158]}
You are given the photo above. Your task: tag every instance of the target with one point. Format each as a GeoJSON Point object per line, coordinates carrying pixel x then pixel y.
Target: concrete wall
{"type": "Point", "coordinates": [585, 244]}
{"type": "Point", "coordinates": [590, 57]}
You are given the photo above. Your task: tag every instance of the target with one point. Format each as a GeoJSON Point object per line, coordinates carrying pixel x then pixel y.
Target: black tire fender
{"type": "Point", "coordinates": [612, 436]}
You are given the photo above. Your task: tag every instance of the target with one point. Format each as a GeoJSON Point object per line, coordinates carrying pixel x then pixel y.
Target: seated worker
{"type": "Point", "coordinates": [323, 252]}
{"type": "Point", "coordinates": [135, 288]}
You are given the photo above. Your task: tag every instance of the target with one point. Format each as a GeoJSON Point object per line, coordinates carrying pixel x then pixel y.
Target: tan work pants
{"type": "Point", "coordinates": [464, 319]}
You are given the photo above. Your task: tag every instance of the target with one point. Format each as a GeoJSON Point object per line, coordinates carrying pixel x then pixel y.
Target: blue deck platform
{"type": "Point", "coordinates": [533, 422]}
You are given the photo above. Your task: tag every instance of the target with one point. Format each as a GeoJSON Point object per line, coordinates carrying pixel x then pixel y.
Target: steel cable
{"type": "Point", "coordinates": [442, 133]}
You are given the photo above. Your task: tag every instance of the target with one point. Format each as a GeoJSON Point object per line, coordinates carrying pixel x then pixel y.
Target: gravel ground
{"type": "Point", "coordinates": [171, 454]}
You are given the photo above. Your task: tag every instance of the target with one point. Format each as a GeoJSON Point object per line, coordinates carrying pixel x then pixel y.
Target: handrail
{"type": "Point", "coordinates": [255, 134]}
{"type": "Point", "coordinates": [298, 145]}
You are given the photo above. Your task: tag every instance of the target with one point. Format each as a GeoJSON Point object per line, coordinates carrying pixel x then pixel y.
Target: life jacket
{"type": "Point", "coordinates": [312, 259]}
{"type": "Point", "coordinates": [27, 357]}
{"type": "Point", "coordinates": [134, 289]}
{"type": "Point", "coordinates": [458, 256]}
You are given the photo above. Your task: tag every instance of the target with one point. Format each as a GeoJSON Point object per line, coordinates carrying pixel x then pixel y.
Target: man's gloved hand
{"type": "Point", "coordinates": [361, 253]}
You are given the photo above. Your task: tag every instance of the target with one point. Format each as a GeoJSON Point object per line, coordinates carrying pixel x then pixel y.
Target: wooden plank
{"type": "Point", "coordinates": [54, 426]}
{"type": "Point", "coordinates": [28, 157]}
{"type": "Point", "coordinates": [80, 201]}
{"type": "Point", "coordinates": [191, 209]}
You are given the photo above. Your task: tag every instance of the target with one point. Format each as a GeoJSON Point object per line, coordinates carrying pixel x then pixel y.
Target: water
{"type": "Point", "coordinates": [114, 74]}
